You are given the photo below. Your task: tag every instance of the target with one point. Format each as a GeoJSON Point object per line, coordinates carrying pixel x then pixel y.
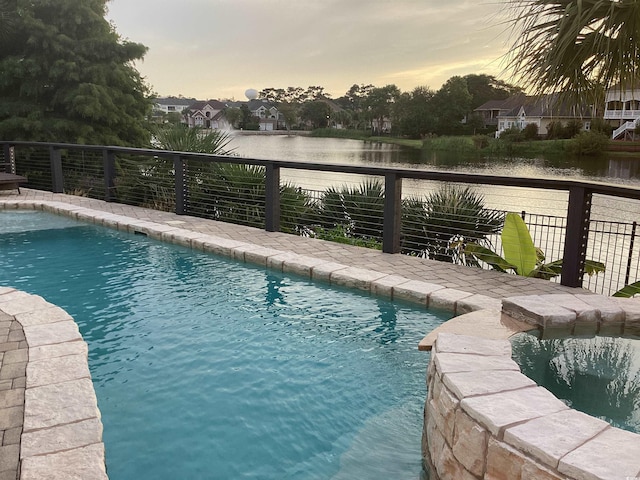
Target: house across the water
{"type": "Point", "coordinates": [520, 110]}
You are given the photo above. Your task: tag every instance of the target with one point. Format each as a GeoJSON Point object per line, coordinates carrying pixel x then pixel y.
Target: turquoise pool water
{"type": "Point", "coordinates": [598, 375]}
{"type": "Point", "coordinates": [206, 368]}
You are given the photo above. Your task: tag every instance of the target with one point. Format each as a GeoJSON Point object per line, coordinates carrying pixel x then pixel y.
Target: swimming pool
{"type": "Point", "coordinates": [205, 368]}
{"type": "Point", "coordinates": [598, 375]}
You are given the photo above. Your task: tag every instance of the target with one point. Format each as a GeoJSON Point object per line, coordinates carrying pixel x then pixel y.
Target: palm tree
{"type": "Point", "coordinates": [575, 46]}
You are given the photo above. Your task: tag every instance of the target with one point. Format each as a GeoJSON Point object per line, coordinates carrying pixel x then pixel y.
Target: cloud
{"type": "Point", "coordinates": [218, 48]}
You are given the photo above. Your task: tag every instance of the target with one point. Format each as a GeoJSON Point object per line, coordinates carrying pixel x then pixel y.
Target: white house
{"type": "Point", "coordinates": [207, 114]}
{"type": "Point", "coordinates": [172, 104]}
{"type": "Point", "coordinates": [622, 107]}
{"type": "Point", "coordinates": [522, 110]}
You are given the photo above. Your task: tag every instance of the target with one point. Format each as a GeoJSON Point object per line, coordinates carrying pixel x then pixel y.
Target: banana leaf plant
{"type": "Point", "coordinates": [521, 256]}
{"type": "Point", "coordinates": [629, 291]}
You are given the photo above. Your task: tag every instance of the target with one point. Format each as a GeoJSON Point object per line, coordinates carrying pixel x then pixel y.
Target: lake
{"type": "Point", "coordinates": [609, 169]}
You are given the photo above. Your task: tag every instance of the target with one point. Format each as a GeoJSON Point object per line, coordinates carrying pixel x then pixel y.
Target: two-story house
{"type": "Point", "coordinates": [622, 108]}
{"type": "Point", "coordinates": [207, 114]}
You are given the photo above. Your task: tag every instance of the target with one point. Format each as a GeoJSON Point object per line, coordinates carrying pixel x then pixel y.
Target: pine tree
{"type": "Point", "coordinates": [67, 76]}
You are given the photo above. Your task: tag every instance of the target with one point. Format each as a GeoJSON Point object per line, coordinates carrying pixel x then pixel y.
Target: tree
{"type": "Point", "coordinates": [233, 116]}
{"type": "Point", "coordinates": [452, 102]}
{"type": "Point", "coordinates": [315, 112]}
{"type": "Point", "coordinates": [413, 112]}
{"type": "Point", "coordinates": [484, 87]}
{"type": "Point", "coordinates": [576, 46]}
{"type": "Point", "coordinates": [66, 76]}
{"type": "Point", "coordinates": [379, 102]}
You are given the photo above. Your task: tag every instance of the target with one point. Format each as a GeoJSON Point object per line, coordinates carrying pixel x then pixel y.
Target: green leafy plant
{"type": "Point", "coordinates": [629, 291]}
{"type": "Point", "coordinates": [521, 256]}
{"type": "Point", "coordinates": [453, 215]}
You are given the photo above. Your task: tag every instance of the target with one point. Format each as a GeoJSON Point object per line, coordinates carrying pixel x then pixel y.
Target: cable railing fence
{"type": "Point", "coordinates": [434, 215]}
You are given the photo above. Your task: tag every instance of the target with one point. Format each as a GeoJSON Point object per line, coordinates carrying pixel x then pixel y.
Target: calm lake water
{"type": "Point", "coordinates": [609, 169]}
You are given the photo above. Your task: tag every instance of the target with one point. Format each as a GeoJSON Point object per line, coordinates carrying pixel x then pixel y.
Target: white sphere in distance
{"type": "Point", "coordinates": [251, 94]}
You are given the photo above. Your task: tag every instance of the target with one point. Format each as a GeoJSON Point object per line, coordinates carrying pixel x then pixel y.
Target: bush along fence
{"type": "Point", "coordinates": [442, 216]}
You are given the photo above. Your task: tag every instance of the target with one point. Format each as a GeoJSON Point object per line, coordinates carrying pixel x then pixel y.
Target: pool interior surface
{"type": "Point", "coordinates": [207, 368]}
{"type": "Point", "coordinates": [599, 375]}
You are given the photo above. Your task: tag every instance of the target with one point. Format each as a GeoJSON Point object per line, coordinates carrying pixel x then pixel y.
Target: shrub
{"type": "Point", "coordinates": [600, 125]}
{"type": "Point", "coordinates": [588, 143]}
{"type": "Point", "coordinates": [455, 215]}
{"type": "Point", "coordinates": [530, 132]}
{"type": "Point", "coordinates": [480, 141]}
{"type": "Point", "coordinates": [555, 130]}
{"type": "Point", "coordinates": [512, 134]}
{"type": "Point", "coordinates": [572, 128]}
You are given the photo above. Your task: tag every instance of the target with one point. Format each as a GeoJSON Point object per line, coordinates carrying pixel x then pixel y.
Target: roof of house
{"type": "Point", "coordinates": [536, 106]}
{"type": "Point", "coordinates": [199, 105]}
{"type": "Point", "coordinates": [175, 101]}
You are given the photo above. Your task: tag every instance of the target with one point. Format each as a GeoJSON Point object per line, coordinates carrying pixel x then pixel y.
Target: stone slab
{"type": "Point", "coordinates": [501, 410]}
{"type": "Point", "coordinates": [354, 277]}
{"type": "Point", "coordinates": [77, 347]}
{"type": "Point", "coordinates": [469, 384]}
{"type": "Point", "coordinates": [85, 463]}
{"type": "Point", "coordinates": [612, 455]}
{"type": "Point", "coordinates": [446, 299]}
{"type": "Point", "coordinates": [60, 403]}
{"type": "Point", "coordinates": [584, 311]}
{"type": "Point", "coordinates": [48, 334]}
{"type": "Point", "coordinates": [56, 370]}
{"type": "Point", "coordinates": [61, 438]}
{"type": "Point", "coordinates": [481, 324]}
{"type": "Point", "coordinates": [384, 286]}
{"type": "Point", "coordinates": [535, 310]}
{"type": "Point", "coordinates": [477, 302]}
{"type": "Point", "coordinates": [551, 437]}
{"type": "Point", "coordinates": [415, 291]}
{"type": "Point", "coordinates": [324, 270]}
{"type": "Point", "coordinates": [450, 343]}
{"type": "Point", "coordinates": [457, 362]}
{"type": "Point", "coordinates": [51, 314]}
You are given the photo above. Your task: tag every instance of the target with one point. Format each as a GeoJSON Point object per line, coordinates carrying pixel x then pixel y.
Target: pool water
{"type": "Point", "coordinates": [206, 368]}
{"type": "Point", "coordinates": [599, 376]}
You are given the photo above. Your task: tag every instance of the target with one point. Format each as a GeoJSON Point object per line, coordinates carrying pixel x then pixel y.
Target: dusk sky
{"type": "Point", "coordinates": [220, 48]}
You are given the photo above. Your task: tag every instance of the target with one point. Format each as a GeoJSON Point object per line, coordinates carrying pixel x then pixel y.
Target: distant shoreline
{"type": "Point", "coordinates": [301, 133]}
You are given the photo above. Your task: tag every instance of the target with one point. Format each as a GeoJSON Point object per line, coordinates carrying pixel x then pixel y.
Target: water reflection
{"type": "Point", "coordinates": [614, 169]}
{"type": "Point", "coordinates": [599, 376]}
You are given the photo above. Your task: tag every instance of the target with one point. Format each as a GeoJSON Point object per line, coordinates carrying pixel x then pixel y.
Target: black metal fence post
{"type": "Point", "coordinates": [109, 162]}
{"type": "Point", "coordinates": [392, 224]}
{"type": "Point", "coordinates": [272, 198]}
{"type": "Point", "coordinates": [9, 161]}
{"type": "Point", "coordinates": [57, 177]}
{"type": "Point", "coordinates": [576, 238]}
{"type": "Point", "coordinates": [627, 274]}
{"type": "Point", "coordinates": [179, 165]}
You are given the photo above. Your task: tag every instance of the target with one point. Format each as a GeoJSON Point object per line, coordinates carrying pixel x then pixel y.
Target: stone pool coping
{"type": "Point", "coordinates": [484, 419]}
{"type": "Point", "coordinates": [61, 428]}
{"type": "Point", "coordinates": [473, 308]}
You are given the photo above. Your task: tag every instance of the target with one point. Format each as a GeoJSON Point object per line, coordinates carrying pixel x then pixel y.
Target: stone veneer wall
{"type": "Point", "coordinates": [62, 431]}
{"type": "Point", "coordinates": [486, 420]}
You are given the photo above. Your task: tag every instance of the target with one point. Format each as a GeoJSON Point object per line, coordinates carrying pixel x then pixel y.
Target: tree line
{"type": "Point", "coordinates": [415, 114]}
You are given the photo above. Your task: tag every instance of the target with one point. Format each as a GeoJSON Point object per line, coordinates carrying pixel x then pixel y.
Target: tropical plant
{"type": "Point", "coordinates": [521, 256]}
{"type": "Point", "coordinates": [454, 215]}
{"type": "Point", "coordinates": [575, 46]}
{"type": "Point", "coordinates": [629, 291]}
{"type": "Point", "coordinates": [358, 210]}
{"type": "Point", "coordinates": [181, 138]}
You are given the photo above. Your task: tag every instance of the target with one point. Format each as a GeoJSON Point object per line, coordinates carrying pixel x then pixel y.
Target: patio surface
{"type": "Point", "coordinates": [481, 283]}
